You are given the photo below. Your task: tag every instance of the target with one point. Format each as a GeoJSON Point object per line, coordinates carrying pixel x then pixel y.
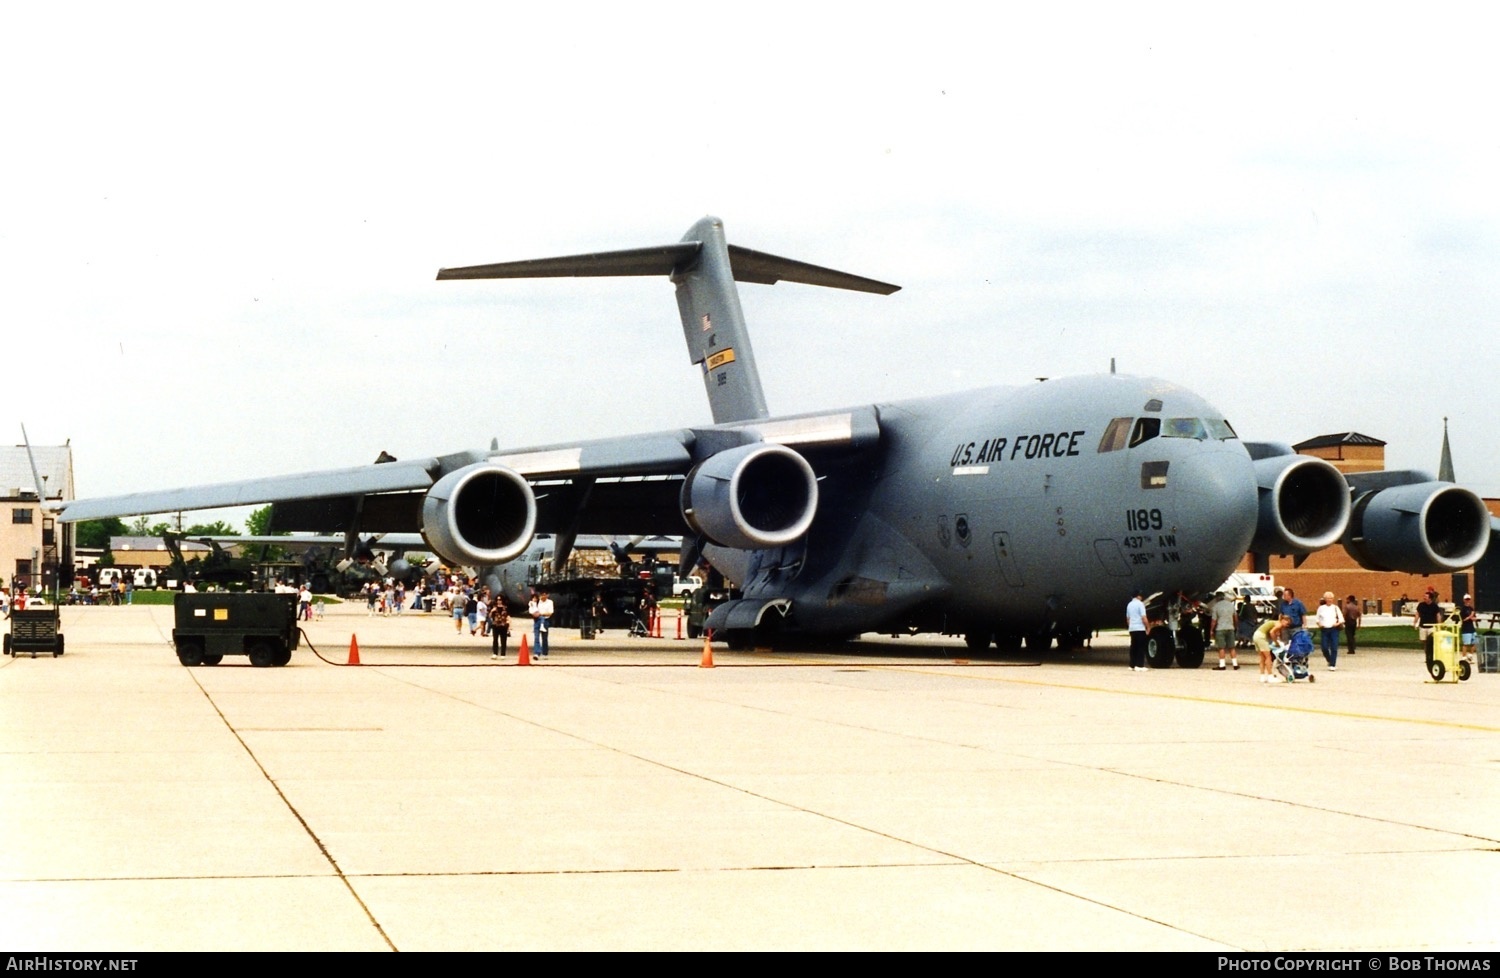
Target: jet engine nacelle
{"type": "Point", "coordinates": [480, 514]}
{"type": "Point", "coordinates": [1421, 528]}
{"type": "Point", "coordinates": [1304, 505]}
{"type": "Point", "coordinates": [751, 497]}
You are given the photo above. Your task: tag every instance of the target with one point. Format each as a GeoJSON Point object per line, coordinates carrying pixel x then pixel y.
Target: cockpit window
{"type": "Point", "coordinates": [1145, 430]}
{"type": "Point", "coordinates": [1185, 428]}
{"type": "Point", "coordinates": [1219, 428]}
{"type": "Point", "coordinates": [1115, 435]}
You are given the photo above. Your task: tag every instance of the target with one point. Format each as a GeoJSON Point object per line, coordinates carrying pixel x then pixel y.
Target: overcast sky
{"type": "Point", "coordinates": [221, 225]}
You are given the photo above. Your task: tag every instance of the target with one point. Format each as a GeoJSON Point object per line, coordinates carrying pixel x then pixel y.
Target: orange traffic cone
{"type": "Point", "coordinates": [353, 650]}
{"type": "Point", "coordinates": [708, 651]}
{"type": "Point", "coordinates": [523, 657]}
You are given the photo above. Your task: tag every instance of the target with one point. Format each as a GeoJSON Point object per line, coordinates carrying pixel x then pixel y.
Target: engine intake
{"type": "Point", "coordinates": [1421, 528]}
{"type": "Point", "coordinates": [1304, 505]}
{"type": "Point", "coordinates": [480, 514]}
{"type": "Point", "coordinates": [751, 497]}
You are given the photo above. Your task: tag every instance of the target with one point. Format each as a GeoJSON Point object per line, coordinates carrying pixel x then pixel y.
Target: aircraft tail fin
{"type": "Point", "coordinates": [704, 267]}
{"type": "Point", "coordinates": [36, 478]}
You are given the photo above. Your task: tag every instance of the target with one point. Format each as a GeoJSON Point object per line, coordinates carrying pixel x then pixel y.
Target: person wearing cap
{"type": "Point", "coordinates": [1223, 615]}
{"type": "Point", "coordinates": [1468, 634]}
{"type": "Point", "coordinates": [1426, 620]}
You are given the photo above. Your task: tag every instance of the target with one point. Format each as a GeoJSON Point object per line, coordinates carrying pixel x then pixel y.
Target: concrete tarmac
{"type": "Point", "coordinates": [618, 796]}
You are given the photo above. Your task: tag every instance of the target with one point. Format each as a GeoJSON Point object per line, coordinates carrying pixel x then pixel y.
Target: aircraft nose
{"type": "Point", "coordinates": [1216, 500]}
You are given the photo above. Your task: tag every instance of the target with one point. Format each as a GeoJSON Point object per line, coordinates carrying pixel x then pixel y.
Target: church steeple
{"type": "Point", "coordinates": [1445, 464]}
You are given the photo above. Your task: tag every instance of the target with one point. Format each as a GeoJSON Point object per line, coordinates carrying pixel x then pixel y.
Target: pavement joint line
{"type": "Point", "coordinates": [1302, 806]}
{"type": "Point", "coordinates": [1155, 780]}
{"type": "Point", "coordinates": [1219, 701]}
{"type": "Point", "coordinates": [332, 862]}
{"type": "Point", "coordinates": [945, 855]}
{"type": "Point", "coordinates": [1116, 771]}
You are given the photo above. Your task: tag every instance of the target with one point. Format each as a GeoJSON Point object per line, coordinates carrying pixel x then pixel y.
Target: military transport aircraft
{"type": "Point", "coordinates": [1004, 514]}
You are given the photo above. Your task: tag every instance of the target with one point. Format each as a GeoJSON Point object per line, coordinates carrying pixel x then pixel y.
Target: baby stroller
{"type": "Point", "coordinates": [1291, 658]}
{"type": "Point", "coordinates": [638, 627]}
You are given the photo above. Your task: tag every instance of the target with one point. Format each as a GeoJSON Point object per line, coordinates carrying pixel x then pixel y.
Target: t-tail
{"type": "Point", "coordinates": [704, 267]}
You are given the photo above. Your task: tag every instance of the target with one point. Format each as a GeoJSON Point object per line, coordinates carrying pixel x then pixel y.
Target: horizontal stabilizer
{"type": "Point", "coordinates": [747, 266]}
{"type": "Point", "coordinates": [764, 269]}
{"type": "Point", "coordinates": [637, 261]}
{"type": "Point", "coordinates": [704, 267]}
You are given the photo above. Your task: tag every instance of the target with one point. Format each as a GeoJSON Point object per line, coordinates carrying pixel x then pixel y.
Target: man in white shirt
{"type": "Point", "coordinates": [540, 608]}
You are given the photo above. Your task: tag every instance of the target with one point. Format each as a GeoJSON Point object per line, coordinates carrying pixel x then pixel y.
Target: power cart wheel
{"type": "Point", "coordinates": [190, 652]}
{"type": "Point", "coordinates": [262, 656]}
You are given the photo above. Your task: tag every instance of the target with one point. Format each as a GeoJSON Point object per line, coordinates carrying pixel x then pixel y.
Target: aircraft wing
{"type": "Point", "coordinates": [384, 477]}
{"type": "Point", "coordinates": [302, 543]}
{"type": "Point", "coordinates": [626, 485]}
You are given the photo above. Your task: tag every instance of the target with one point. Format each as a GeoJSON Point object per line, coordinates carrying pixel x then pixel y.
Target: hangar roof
{"type": "Point", "coordinates": [53, 462]}
{"type": "Point", "coordinates": [1343, 438]}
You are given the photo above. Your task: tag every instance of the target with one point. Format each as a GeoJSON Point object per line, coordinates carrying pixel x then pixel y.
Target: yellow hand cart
{"type": "Point", "coordinates": [1449, 662]}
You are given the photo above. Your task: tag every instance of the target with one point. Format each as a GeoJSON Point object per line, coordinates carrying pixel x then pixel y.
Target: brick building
{"type": "Point", "coordinates": [1332, 569]}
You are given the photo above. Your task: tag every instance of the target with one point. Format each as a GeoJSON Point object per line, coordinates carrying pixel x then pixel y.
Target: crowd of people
{"type": "Point", "coordinates": [1236, 622]}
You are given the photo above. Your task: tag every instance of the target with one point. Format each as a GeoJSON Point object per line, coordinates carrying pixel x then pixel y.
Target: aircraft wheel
{"type": "Point", "coordinates": [212, 660]}
{"type": "Point", "coordinates": [1189, 659]}
{"type": "Point", "coordinates": [1437, 670]}
{"type": "Point", "coordinates": [262, 655]}
{"type": "Point", "coordinates": [978, 641]}
{"type": "Point", "coordinates": [1009, 642]}
{"type": "Point", "coordinates": [1038, 642]}
{"type": "Point", "coordinates": [1159, 650]}
{"type": "Point", "coordinates": [1463, 670]}
{"type": "Point", "coordinates": [1072, 639]}
{"type": "Point", "coordinates": [190, 652]}
{"type": "Point", "coordinates": [1190, 656]}
{"type": "Point", "coordinates": [740, 639]}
